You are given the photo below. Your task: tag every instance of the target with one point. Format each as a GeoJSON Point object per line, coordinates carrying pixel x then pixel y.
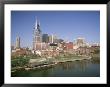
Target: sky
{"type": "Point", "coordinates": [67, 25]}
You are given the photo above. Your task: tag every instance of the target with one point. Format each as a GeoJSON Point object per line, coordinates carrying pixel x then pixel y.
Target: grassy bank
{"type": "Point", "coordinates": [23, 62]}
{"type": "Point", "coordinates": [96, 57]}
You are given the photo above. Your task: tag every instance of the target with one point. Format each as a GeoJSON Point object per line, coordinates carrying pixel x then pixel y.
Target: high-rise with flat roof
{"type": "Point", "coordinates": [45, 38]}
{"type": "Point", "coordinates": [80, 42]}
{"type": "Point", "coordinates": [53, 39]}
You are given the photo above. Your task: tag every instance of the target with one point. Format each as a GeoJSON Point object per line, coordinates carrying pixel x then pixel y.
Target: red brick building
{"type": "Point", "coordinates": [69, 45]}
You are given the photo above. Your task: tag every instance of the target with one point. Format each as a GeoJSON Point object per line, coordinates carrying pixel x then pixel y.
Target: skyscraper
{"type": "Point", "coordinates": [45, 38]}
{"type": "Point", "coordinates": [50, 39]}
{"type": "Point", "coordinates": [53, 39]}
{"type": "Point", "coordinates": [17, 42]}
{"type": "Point", "coordinates": [80, 42]}
{"type": "Point", "coordinates": [37, 38]}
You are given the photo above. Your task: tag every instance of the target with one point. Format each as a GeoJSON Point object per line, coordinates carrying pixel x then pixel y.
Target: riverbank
{"type": "Point", "coordinates": [50, 63]}
{"type": "Point", "coordinates": [83, 68]}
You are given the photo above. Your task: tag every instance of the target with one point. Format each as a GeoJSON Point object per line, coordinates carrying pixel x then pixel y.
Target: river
{"type": "Point", "coordinates": [83, 68]}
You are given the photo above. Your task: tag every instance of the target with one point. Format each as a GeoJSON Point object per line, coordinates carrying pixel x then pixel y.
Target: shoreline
{"type": "Point", "coordinates": [48, 65]}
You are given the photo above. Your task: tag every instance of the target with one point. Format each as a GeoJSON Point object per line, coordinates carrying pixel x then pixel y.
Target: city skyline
{"type": "Point", "coordinates": [67, 25]}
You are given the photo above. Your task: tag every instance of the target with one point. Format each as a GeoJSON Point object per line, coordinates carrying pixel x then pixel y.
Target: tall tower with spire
{"type": "Point", "coordinates": [37, 36]}
{"type": "Point", "coordinates": [17, 42]}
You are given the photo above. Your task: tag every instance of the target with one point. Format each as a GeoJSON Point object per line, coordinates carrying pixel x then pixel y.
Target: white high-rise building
{"type": "Point", "coordinates": [17, 43]}
{"type": "Point", "coordinates": [80, 42]}
{"type": "Point", "coordinates": [52, 39]}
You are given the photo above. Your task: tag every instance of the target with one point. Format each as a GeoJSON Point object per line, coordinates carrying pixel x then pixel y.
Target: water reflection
{"type": "Point", "coordinates": [82, 65]}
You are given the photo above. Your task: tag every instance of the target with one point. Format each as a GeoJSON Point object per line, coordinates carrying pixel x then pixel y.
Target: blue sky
{"type": "Point", "coordinates": [67, 25]}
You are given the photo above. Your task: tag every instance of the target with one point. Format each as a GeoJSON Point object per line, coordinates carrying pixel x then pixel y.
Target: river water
{"type": "Point", "coordinates": [83, 68]}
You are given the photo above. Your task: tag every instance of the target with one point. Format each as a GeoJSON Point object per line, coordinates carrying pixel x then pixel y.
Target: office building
{"type": "Point", "coordinates": [17, 43]}
{"type": "Point", "coordinates": [80, 42]}
{"type": "Point", "coordinates": [37, 36]}
{"type": "Point", "coordinates": [45, 38]}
